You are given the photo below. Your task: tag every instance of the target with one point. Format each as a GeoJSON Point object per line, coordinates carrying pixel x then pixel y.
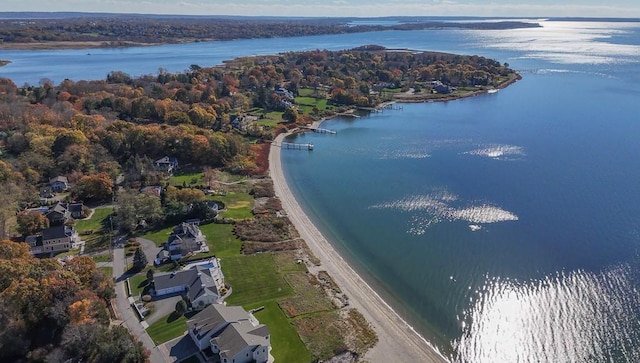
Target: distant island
{"type": "Point", "coordinates": [81, 30]}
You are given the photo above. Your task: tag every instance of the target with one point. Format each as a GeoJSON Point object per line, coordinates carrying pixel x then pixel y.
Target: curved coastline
{"type": "Point", "coordinates": [397, 340]}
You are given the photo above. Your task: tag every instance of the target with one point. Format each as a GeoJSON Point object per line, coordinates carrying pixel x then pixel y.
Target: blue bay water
{"type": "Point", "coordinates": [504, 227]}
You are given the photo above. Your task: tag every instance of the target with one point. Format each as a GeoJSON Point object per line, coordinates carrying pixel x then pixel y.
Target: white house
{"type": "Point", "coordinates": [230, 332]}
{"type": "Point", "coordinates": [186, 238]}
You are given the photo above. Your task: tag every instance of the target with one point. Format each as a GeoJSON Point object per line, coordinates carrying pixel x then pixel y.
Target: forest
{"type": "Point", "coordinates": [119, 29]}
{"type": "Point", "coordinates": [51, 313]}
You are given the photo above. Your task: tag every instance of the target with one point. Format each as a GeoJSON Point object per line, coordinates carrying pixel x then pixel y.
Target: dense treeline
{"type": "Point", "coordinates": [57, 313]}
{"type": "Point", "coordinates": [113, 30]}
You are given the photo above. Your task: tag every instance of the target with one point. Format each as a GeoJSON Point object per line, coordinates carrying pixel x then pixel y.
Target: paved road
{"type": "Point", "coordinates": [130, 318]}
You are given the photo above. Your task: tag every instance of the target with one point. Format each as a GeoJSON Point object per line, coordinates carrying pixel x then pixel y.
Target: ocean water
{"type": "Point", "coordinates": [505, 227]}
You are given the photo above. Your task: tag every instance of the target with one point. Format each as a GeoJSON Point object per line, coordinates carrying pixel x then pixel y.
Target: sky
{"type": "Point", "coordinates": [342, 8]}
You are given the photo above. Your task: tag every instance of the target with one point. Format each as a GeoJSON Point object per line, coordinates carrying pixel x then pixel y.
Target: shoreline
{"type": "Point", "coordinates": [397, 340]}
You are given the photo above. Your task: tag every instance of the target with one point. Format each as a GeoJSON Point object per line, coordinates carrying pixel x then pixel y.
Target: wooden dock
{"type": "Point", "coordinates": [321, 131]}
{"type": "Point", "coordinates": [293, 145]}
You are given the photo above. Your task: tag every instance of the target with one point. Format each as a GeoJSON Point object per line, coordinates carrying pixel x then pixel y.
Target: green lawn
{"type": "Point", "coordinates": [102, 257]}
{"type": "Point", "coordinates": [191, 179]}
{"type": "Point", "coordinates": [96, 222]}
{"type": "Point", "coordinates": [286, 344]}
{"type": "Point", "coordinates": [238, 205]}
{"type": "Point", "coordinates": [304, 92]}
{"type": "Point", "coordinates": [221, 240]}
{"type": "Point", "coordinates": [158, 236]}
{"type": "Point", "coordinates": [254, 279]}
{"type": "Point", "coordinates": [168, 328]}
{"type": "Point", "coordinates": [108, 270]}
{"type": "Point", "coordinates": [138, 282]}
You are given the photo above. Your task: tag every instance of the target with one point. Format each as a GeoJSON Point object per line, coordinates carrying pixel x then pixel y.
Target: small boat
{"type": "Point", "coordinates": [493, 90]}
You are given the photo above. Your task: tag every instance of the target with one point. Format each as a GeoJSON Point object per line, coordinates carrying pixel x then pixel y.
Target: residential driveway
{"type": "Point", "coordinates": [164, 307]}
{"type": "Point", "coordinates": [150, 249]}
{"type": "Point", "coordinates": [129, 318]}
{"type": "Point", "coordinates": [178, 349]}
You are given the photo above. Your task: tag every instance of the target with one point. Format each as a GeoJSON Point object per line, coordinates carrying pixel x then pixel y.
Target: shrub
{"type": "Point", "coordinates": [146, 298]}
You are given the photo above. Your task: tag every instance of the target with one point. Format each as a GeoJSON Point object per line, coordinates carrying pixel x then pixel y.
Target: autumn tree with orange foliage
{"type": "Point", "coordinates": [52, 312]}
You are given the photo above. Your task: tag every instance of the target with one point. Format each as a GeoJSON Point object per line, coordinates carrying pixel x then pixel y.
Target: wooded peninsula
{"type": "Point", "coordinates": [84, 30]}
{"type": "Point", "coordinates": [105, 138]}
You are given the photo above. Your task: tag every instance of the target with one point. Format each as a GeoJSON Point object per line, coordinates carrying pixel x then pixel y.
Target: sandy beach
{"type": "Point", "coordinates": [398, 342]}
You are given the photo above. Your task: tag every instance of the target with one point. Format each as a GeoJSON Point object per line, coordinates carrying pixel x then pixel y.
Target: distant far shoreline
{"type": "Point", "coordinates": [70, 45]}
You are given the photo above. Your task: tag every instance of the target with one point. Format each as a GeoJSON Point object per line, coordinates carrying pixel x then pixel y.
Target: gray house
{"type": "Point", "coordinates": [201, 285]}
{"type": "Point", "coordinates": [231, 333]}
{"type": "Point", "coordinates": [185, 239]}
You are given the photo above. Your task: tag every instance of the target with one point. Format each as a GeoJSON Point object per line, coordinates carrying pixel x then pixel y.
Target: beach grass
{"type": "Point", "coordinates": [308, 298]}
{"type": "Point", "coordinates": [321, 334]}
{"type": "Point", "coordinates": [254, 279]}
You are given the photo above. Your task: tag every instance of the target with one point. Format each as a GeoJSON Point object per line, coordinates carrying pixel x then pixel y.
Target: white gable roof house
{"type": "Point", "coordinates": [202, 284]}
{"type": "Point", "coordinates": [231, 333]}
{"type": "Point", "coordinates": [185, 239]}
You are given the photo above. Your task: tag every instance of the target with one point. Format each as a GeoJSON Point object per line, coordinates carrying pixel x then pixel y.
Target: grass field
{"type": "Point", "coordinates": [238, 205]}
{"type": "Point", "coordinates": [254, 279]}
{"type": "Point", "coordinates": [168, 327]}
{"type": "Point", "coordinates": [158, 236]}
{"type": "Point", "coordinates": [221, 240]}
{"type": "Point", "coordinates": [190, 179]}
{"type": "Point", "coordinates": [108, 270]}
{"type": "Point", "coordinates": [286, 344]}
{"type": "Point", "coordinates": [96, 222]}
{"type": "Point", "coordinates": [138, 282]}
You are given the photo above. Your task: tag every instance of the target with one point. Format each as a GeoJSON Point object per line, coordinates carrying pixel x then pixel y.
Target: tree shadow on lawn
{"type": "Point", "coordinates": [175, 316]}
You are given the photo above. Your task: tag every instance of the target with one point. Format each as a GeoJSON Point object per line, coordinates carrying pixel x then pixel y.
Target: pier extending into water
{"type": "Point", "coordinates": [293, 145]}
{"type": "Point", "coordinates": [321, 131]}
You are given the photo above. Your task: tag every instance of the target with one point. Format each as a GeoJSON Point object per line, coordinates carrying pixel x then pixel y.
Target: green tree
{"type": "Point", "coordinates": [290, 114]}
{"type": "Point", "coordinates": [150, 275]}
{"type": "Point", "coordinates": [139, 259]}
{"type": "Point", "coordinates": [181, 307]}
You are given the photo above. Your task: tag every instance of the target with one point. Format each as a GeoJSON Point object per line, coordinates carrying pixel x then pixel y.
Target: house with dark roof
{"type": "Point", "coordinates": [231, 333]}
{"type": "Point", "coordinates": [59, 184]}
{"type": "Point", "coordinates": [185, 239]}
{"type": "Point", "coordinates": [58, 214]}
{"type": "Point", "coordinates": [166, 164]}
{"type": "Point", "coordinates": [201, 285]}
{"type": "Point", "coordinates": [53, 240]}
